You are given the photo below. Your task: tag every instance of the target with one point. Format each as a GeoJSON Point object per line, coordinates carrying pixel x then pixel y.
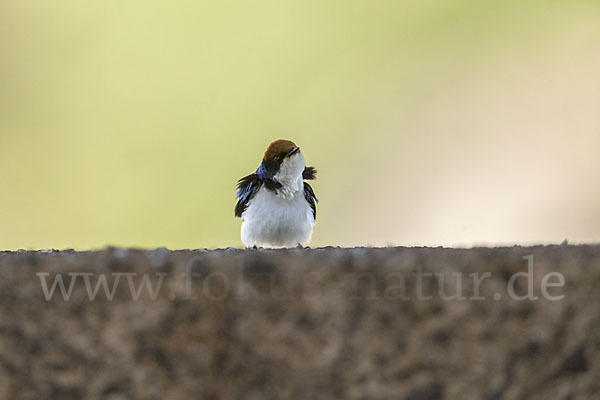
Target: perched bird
{"type": "Point", "coordinates": [277, 208]}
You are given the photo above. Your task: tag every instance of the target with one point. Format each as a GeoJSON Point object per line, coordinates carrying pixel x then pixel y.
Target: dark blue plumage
{"type": "Point", "coordinates": [249, 185]}
{"type": "Point", "coordinates": [309, 195]}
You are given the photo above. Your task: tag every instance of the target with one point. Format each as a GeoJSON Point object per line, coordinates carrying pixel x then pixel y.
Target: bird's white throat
{"type": "Point", "coordinates": [290, 176]}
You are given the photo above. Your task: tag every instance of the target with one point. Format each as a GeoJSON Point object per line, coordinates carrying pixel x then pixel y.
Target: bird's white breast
{"type": "Point", "coordinates": [282, 219]}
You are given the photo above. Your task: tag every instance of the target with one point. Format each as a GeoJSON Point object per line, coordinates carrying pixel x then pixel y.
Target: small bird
{"type": "Point", "coordinates": [277, 207]}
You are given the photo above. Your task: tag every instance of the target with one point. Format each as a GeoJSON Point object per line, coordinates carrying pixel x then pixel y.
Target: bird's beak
{"type": "Point", "coordinates": [292, 151]}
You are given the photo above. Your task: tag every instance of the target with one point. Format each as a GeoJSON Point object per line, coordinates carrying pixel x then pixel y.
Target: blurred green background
{"type": "Point", "coordinates": [431, 122]}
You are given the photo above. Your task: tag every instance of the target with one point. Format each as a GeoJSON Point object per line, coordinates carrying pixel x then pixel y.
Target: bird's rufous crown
{"type": "Point", "coordinates": [277, 147]}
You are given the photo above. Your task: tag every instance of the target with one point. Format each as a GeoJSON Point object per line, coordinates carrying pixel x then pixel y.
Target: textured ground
{"type": "Point", "coordinates": [299, 324]}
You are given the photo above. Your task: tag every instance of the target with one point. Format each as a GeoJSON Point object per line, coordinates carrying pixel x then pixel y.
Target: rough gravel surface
{"type": "Point", "coordinates": [328, 323]}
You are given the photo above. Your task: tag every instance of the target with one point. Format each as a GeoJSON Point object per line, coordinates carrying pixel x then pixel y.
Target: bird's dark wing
{"type": "Point", "coordinates": [247, 187]}
{"type": "Point", "coordinates": [309, 195]}
{"type": "Point", "coordinates": [309, 173]}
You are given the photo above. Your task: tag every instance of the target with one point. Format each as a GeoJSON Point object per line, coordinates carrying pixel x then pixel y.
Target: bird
{"type": "Point", "coordinates": [276, 204]}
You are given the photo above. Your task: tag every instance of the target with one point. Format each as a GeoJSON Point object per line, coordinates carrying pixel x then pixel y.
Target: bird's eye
{"type": "Point", "coordinates": [276, 158]}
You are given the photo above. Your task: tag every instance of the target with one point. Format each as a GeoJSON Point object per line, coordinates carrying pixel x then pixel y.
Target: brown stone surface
{"type": "Point", "coordinates": [300, 324]}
